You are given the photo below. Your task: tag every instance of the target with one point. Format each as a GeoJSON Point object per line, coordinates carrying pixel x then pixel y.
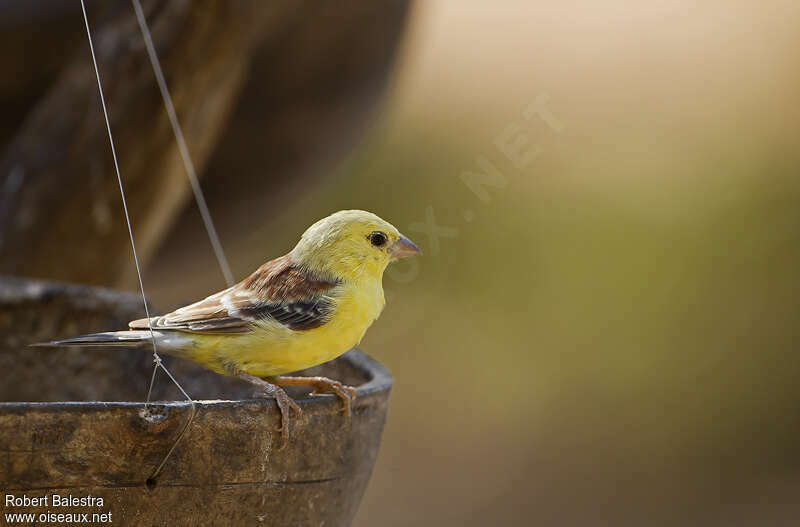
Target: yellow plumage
{"type": "Point", "coordinates": [338, 249]}
{"type": "Point", "coordinates": [272, 349]}
{"type": "Point", "coordinates": [302, 309]}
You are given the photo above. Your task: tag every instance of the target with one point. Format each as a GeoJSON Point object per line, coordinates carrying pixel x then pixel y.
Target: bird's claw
{"type": "Point", "coordinates": [285, 403]}
{"type": "Point", "coordinates": [346, 394]}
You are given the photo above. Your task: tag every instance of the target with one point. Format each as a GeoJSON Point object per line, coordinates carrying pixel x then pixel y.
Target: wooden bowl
{"type": "Point", "coordinates": [226, 470]}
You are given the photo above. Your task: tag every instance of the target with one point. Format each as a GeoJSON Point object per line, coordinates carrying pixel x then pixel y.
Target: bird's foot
{"type": "Point", "coordinates": [347, 394]}
{"type": "Point", "coordinates": [285, 403]}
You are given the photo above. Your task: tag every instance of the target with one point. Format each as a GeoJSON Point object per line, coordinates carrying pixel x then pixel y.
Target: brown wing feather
{"type": "Point", "coordinates": [278, 289]}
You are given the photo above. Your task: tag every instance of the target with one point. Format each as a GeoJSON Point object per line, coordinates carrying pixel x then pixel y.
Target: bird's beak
{"type": "Point", "coordinates": [403, 248]}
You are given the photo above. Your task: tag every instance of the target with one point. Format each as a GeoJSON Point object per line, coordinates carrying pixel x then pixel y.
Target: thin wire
{"type": "Point", "coordinates": [156, 357]}
{"type": "Point", "coordinates": [184, 150]}
{"type": "Point", "coordinates": [119, 180]}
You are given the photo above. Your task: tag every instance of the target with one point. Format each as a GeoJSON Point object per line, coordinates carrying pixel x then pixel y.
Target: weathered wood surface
{"type": "Point", "coordinates": [300, 78]}
{"type": "Point", "coordinates": [226, 470]}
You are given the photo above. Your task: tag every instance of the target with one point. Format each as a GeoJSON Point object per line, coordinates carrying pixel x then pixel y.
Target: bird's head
{"type": "Point", "coordinates": [352, 245]}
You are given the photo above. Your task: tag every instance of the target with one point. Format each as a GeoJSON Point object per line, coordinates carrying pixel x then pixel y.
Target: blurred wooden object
{"type": "Point", "coordinates": [226, 470]}
{"type": "Point", "coordinates": [60, 211]}
{"type": "Point", "coordinates": [316, 72]}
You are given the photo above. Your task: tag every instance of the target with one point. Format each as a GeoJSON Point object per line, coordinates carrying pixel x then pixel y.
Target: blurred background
{"type": "Point", "coordinates": [604, 327]}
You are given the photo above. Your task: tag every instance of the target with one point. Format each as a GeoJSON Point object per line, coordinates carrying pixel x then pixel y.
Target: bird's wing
{"type": "Point", "coordinates": [279, 290]}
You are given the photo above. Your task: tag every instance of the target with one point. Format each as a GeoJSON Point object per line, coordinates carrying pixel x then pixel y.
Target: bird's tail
{"type": "Point", "coordinates": [130, 339]}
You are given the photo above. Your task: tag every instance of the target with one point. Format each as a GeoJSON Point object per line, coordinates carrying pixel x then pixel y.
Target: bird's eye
{"type": "Point", "coordinates": [377, 238]}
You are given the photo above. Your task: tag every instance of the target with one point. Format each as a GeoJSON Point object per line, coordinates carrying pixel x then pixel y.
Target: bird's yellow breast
{"type": "Point", "coordinates": [274, 349]}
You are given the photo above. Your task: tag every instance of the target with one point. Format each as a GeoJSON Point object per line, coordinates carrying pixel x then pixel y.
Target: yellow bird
{"type": "Point", "coordinates": [302, 309]}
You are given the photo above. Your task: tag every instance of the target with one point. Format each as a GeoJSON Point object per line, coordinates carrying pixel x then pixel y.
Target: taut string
{"type": "Point", "coordinates": [156, 357]}
{"type": "Point", "coordinates": [184, 150]}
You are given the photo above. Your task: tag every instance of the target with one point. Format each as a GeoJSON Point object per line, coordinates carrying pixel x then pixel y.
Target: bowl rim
{"type": "Point", "coordinates": [379, 380]}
